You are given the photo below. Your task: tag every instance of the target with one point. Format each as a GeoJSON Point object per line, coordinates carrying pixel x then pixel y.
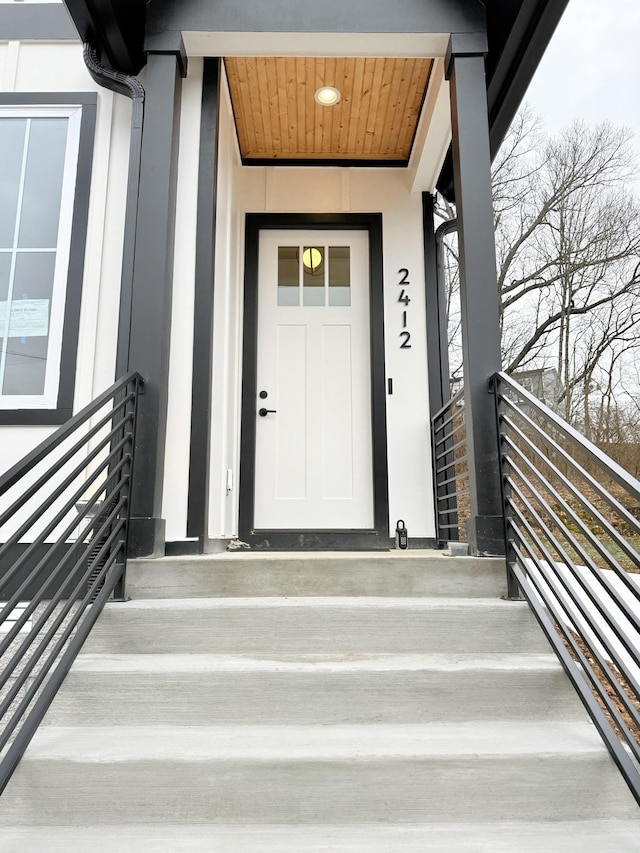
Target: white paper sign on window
{"type": "Point", "coordinates": [29, 318]}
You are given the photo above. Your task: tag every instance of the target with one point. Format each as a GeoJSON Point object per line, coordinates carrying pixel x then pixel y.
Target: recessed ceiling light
{"type": "Point", "coordinates": [327, 96]}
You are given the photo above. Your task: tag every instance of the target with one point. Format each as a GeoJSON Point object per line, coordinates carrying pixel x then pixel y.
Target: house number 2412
{"type": "Point", "coordinates": [404, 299]}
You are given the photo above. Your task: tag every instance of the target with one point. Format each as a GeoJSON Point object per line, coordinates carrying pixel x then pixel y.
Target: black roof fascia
{"type": "Point", "coordinates": [518, 35]}
{"type": "Point", "coordinates": [511, 69]}
{"type": "Point", "coordinates": [113, 27]}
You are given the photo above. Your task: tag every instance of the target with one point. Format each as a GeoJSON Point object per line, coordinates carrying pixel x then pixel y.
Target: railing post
{"type": "Point", "coordinates": [513, 589]}
{"type": "Point", "coordinates": [127, 453]}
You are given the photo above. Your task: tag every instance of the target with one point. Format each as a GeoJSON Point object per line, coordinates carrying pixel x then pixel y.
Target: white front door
{"type": "Point", "coordinates": [314, 466]}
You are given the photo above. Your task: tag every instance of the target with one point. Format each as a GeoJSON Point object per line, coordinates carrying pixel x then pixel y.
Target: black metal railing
{"type": "Point", "coordinates": [63, 527]}
{"type": "Point", "coordinates": [572, 530]}
{"type": "Point", "coordinates": [450, 465]}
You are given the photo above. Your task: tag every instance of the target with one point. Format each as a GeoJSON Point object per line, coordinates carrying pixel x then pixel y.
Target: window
{"type": "Point", "coordinates": [322, 283]}
{"type": "Point", "coordinates": [43, 210]}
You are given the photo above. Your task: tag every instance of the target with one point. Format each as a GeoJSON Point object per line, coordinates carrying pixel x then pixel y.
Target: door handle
{"type": "Point", "coordinates": [264, 412]}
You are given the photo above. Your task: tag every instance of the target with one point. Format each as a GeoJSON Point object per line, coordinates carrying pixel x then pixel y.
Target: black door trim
{"type": "Point", "coordinates": [378, 537]}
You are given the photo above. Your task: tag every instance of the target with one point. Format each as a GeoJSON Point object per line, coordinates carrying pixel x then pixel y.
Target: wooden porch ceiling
{"type": "Point", "coordinates": [277, 117]}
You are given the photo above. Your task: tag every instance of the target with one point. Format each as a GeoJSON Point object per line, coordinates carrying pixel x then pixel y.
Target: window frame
{"type": "Point", "coordinates": [70, 251]}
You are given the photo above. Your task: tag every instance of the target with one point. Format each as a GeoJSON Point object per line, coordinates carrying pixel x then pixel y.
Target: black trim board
{"type": "Point", "coordinates": [318, 162]}
{"type": "Point", "coordinates": [378, 537]}
{"type": "Point", "coordinates": [88, 102]}
{"type": "Point", "coordinates": [201, 388]}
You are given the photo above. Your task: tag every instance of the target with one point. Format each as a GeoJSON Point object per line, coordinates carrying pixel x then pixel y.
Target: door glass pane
{"type": "Point", "coordinates": [29, 313]}
{"type": "Point", "coordinates": [288, 275]}
{"type": "Point", "coordinates": [339, 275]}
{"type": "Point", "coordinates": [12, 132]}
{"type": "Point", "coordinates": [313, 276]}
{"type": "Point", "coordinates": [43, 183]}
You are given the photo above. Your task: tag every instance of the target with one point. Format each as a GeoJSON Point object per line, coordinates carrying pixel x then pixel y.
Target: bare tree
{"type": "Point", "coordinates": [568, 256]}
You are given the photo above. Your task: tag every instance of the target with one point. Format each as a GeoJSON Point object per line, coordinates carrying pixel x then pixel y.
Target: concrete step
{"type": "Point", "coordinates": [332, 775]}
{"type": "Point", "coordinates": [197, 690]}
{"type": "Point", "coordinates": [393, 573]}
{"type": "Point", "coordinates": [588, 836]}
{"type": "Point", "coordinates": [264, 627]}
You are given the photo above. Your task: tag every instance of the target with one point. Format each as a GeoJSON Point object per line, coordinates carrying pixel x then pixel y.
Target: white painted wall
{"type": "Point", "coordinates": [227, 333]}
{"type": "Point", "coordinates": [271, 189]}
{"type": "Point", "coordinates": [26, 67]}
{"type": "Point", "coordinates": [176, 472]}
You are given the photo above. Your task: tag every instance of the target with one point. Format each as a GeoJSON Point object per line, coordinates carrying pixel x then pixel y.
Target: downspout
{"type": "Point", "coordinates": [443, 231]}
{"type": "Point", "coordinates": [123, 84]}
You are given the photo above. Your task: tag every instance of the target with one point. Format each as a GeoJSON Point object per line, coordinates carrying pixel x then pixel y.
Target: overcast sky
{"type": "Point", "coordinates": [591, 69]}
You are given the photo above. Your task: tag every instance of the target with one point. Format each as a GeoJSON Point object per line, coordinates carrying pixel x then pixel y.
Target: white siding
{"type": "Point", "coordinates": [227, 333]}
{"type": "Point", "coordinates": [176, 472]}
{"type": "Point", "coordinates": [272, 189]}
{"type": "Point", "coordinates": [27, 67]}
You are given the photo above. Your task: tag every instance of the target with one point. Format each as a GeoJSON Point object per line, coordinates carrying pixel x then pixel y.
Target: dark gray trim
{"type": "Point", "coordinates": [465, 44]}
{"type": "Point", "coordinates": [169, 42]}
{"type": "Point", "coordinates": [436, 309]}
{"type": "Point", "coordinates": [309, 16]}
{"type": "Point", "coordinates": [371, 539]}
{"type": "Point", "coordinates": [149, 341]}
{"type": "Point", "coordinates": [201, 388]}
{"type": "Point", "coordinates": [479, 298]}
{"type": "Point", "coordinates": [70, 330]}
{"type": "Point", "coordinates": [36, 22]}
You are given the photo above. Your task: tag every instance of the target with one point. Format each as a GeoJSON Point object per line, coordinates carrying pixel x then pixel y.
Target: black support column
{"type": "Point", "coordinates": [479, 296]}
{"type": "Point", "coordinates": [150, 329]}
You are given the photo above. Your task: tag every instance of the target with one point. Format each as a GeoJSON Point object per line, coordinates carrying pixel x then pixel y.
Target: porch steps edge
{"type": "Point", "coordinates": [419, 573]}
{"type": "Point", "coordinates": [316, 774]}
{"type": "Point", "coordinates": [178, 689]}
{"type": "Point", "coordinates": [300, 626]}
{"type": "Point", "coordinates": [603, 836]}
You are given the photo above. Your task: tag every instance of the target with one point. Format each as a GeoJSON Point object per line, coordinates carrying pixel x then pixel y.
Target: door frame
{"type": "Point", "coordinates": [378, 537]}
